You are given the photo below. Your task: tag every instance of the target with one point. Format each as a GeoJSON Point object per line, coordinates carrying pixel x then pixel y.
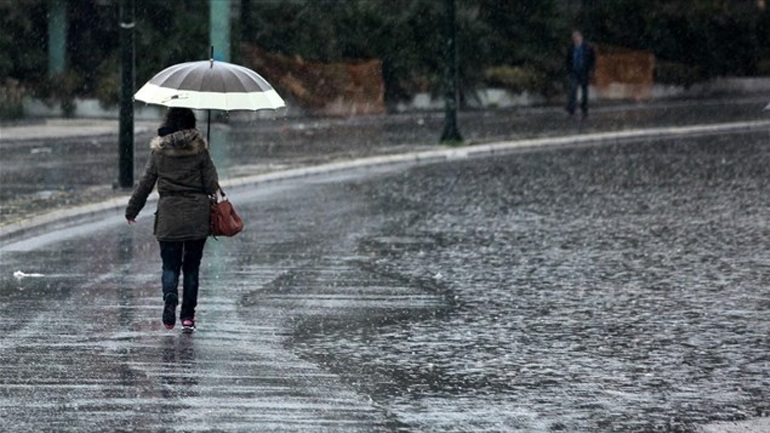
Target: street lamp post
{"type": "Point", "coordinates": [219, 29]}
{"type": "Point", "coordinates": [57, 37]}
{"type": "Point", "coordinates": [451, 133]}
{"type": "Point", "coordinates": [126, 132]}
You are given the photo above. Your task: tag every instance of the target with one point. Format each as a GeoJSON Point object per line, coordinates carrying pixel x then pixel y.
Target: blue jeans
{"type": "Point", "coordinates": [184, 257]}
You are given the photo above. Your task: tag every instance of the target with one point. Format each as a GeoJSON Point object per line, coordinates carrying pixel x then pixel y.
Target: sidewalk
{"type": "Point", "coordinates": [41, 129]}
{"type": "Point", "coordinates": [50, 167]}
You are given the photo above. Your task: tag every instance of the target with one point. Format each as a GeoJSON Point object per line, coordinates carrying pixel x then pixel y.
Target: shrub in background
{"type": "Point", "coordinates": [11, 100]}
{"type": "Point", "coordinates": [513, 78]}
{"type": "Point", "coordinates": [678, 74]}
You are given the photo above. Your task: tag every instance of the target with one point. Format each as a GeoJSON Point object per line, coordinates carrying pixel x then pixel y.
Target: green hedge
{"type": "Point", "coordinates": [516, 44]}
{"type": "Point", "coordinates": [706, 38]}
{"type": "Point", "coordinates": [11, 99]}
{"type": "Point", "coordinates": [678, 74]}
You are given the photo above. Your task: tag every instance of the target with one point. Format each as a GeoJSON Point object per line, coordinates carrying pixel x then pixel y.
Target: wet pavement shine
{"type": "Point", "coordinates": [598, 288]}
{"type": "Point", "coordinates": [83, 349]}
{"type": "Point", "coordinates": [605, 289]}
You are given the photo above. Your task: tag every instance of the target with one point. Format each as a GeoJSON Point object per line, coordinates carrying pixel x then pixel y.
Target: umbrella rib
{"type": "Point", "coordinates": [197, 85]}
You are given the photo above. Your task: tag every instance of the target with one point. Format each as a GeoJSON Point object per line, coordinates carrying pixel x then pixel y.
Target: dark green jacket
{"type": "Point", "coordinates": [181, 165]}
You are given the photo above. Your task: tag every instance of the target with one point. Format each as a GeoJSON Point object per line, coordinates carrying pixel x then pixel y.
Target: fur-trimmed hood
{"type": "Point", "coordinates": [181, 143]}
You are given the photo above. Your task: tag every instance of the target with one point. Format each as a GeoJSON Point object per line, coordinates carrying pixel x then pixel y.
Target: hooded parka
{"type": "Point", "coordinates": [182, 167]}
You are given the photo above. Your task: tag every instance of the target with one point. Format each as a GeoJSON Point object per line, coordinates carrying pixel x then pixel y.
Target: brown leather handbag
{"type": "Point", "coordinates": [224, 220]}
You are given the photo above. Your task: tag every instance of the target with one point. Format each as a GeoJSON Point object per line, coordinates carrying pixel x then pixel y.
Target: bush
{"type": "Point", "coordinates": [720, 38]}
{"type": "Point", "coordinates": [108, 83]}
{"type": "Point", "coordinates": [763, 67]}
{"type": "Point", "coordinates": [62, 88]}
{"type": "Point", "coordinates": [514, 78]}
{"type": "Point", "coordinates": [11, 99]}
{"type": "Point", "coordinates": [678, 74]}
{"type": "Point", "coordinates": [407, 35]}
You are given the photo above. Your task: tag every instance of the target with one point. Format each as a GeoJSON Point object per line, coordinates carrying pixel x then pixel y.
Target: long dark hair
{"type": "Point", "coordinates": [177, 119]}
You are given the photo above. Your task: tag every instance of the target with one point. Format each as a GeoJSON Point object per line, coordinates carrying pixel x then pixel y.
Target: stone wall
{"type": "Point", "coordinates": [624, 74]}
{"type": "Point", "coordinates": [326, 89]}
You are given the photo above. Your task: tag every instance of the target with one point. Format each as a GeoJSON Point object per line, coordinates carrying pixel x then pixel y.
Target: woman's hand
{"type": "Point", "coordinates": [130, 221]}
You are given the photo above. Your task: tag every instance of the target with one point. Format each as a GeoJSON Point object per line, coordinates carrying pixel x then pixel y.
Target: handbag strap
{"type": "Point", "coordinates": [220, 191]}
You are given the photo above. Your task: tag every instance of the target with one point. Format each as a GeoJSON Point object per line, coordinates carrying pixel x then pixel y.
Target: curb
{"type": "Point", "coordinates": [65, 216]}
{"type": "Point", "coordinates": [500, 148]}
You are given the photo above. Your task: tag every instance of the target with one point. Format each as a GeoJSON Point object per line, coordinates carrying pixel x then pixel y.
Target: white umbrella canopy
{"type": "Point", "coordinates": [210, 85]}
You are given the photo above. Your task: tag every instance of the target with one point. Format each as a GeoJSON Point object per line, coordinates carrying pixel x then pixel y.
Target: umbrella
{"type": "Point", "coordinates": [210, 85]}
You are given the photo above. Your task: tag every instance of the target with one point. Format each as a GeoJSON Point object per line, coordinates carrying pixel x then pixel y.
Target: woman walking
{"type": "Point", "coordinates": [181, 166]}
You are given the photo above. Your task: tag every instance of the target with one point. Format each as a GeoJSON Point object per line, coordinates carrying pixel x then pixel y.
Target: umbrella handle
{"type": "Point", "coordinates": [208, 129]}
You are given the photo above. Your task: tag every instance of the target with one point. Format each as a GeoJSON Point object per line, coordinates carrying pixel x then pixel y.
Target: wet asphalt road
{"type": "Point", "coordinates": [84, 350]}
{"type": "Point", "coordinates": [604, 289]}
{"type": "Point", "coordinates": [599, 289]}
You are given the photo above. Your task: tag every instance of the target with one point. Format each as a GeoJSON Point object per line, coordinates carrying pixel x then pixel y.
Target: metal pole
{"type": "Point", "coordinates": [127, 55]}
{"type": "Point", "coordinates": [57, 37]}
{"type": "Point", "coordinates": [451, 133]}
{"type": "Point", "coordinates": [219, 28]}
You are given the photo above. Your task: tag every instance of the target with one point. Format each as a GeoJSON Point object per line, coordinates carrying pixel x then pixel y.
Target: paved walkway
{"type": "Point", "coordinates": [527, 121]}
{"type": "Point", "coordinates": [41, 129]}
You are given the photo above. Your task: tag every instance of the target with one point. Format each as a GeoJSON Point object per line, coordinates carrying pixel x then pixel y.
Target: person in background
{"type": "Point", "coordinates": [181, 166]}
{"type": "Point", "coordinates": [581, 61]}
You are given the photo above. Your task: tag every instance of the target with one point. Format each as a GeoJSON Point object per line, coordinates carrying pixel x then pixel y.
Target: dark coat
{"type": "Point", "coordinates": [589, 62]}
{"type": "Point", "coordinates": [181, 165]}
